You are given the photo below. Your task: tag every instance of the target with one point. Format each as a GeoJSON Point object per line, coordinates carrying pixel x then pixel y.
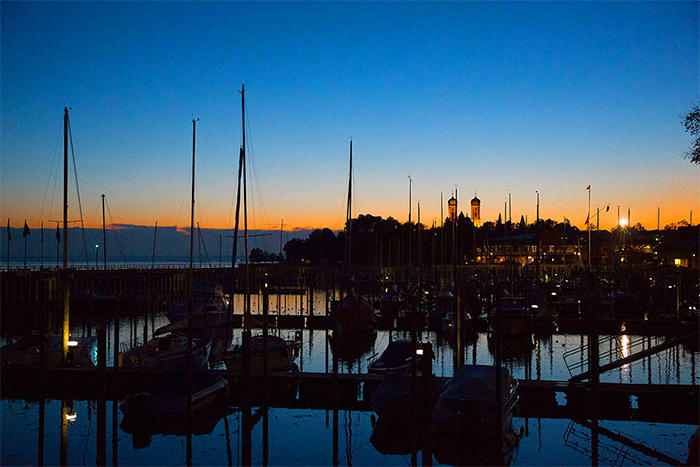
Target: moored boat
{"type": "Point", "coordinates": [353, 314]}
{"type": "Point", "coordinates": [208, 301]}
{"type": "Point", "coordinates": [26, 351]}
{"type": "Point", "coordinates": [167, 352]}
{"type": "Point", "coordinates": [396, 358]}
{"type": "Point", "coordinates": [467, 409]}
{"type": "Point", "coordinates": [280, 354]}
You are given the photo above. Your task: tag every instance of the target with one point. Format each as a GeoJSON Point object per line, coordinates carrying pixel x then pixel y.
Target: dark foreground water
{"type": "Point", "coordinates": [305, 437]}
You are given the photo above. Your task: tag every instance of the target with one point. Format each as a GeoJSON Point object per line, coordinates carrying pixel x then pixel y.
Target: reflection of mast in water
{"type": "Point", "coordinates": [609, 452]}
{"type": "Point", "coordinates": [348, 436]}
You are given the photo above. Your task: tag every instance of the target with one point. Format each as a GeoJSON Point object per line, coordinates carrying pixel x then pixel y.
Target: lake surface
{"type": "Point", "coordinates": [305, 437]}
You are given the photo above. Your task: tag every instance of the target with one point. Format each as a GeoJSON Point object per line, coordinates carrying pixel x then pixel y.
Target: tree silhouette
{"type": "Point", "coordinates": [691, 122]}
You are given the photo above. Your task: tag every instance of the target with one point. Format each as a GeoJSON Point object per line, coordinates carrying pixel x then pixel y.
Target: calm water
{"type": "Point", "coordinates": [305, 437]}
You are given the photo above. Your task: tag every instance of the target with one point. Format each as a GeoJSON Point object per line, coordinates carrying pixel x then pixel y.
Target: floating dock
{"type": "Point", "coordinates": [662, 403]}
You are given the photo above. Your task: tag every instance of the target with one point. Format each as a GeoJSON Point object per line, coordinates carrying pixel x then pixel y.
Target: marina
{"type": "Point", "coordinates": [351, 337]}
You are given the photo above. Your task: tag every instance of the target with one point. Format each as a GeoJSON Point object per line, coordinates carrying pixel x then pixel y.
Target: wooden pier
{"type": "Point", "coordinates": [538, 399]}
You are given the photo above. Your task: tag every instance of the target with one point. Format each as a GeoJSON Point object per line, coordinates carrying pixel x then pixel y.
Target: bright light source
{"type": "Point", "coordinates": [623, 222]}
{"type": "Point", "coordinates": [71, 417]}
{"type": "Point", "coordinates": [72, 343]}
{"type": "Point", "coordinates": [419, 351]}
{"type": "Point", "coordinates": [534, 306]}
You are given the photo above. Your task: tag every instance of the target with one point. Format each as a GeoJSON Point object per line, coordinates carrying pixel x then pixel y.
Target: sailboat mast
{"type": "Point", "coordinates": [104, 235]}
{"type": "Point", "coordinates": [190, 274]}
{"type": "Point", "coordinates": [65, 188]}
{"type": "Point", "coordinates": [245, 214]}
{"type": "Point", "coordinates": [66, 284]}
{"type": "Point", "coordinates": [348, 224]}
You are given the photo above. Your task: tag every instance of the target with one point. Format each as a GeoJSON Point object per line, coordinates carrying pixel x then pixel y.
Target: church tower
{"type": "Point", "coordinates": [476, 211]}
{"type": "Point", "coordinates": [452, 208]}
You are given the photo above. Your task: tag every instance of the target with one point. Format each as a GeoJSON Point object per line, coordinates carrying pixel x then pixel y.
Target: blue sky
{"type": "Point", "coordinates": [485, 96]}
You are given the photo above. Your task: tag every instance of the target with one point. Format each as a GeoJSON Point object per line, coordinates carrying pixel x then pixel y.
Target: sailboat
{"type": "Point", "coordinates": [354, 317]}
{"type": "Point", "coordinates": [259, 352]}
{"type": "Point", "coordinates": [57, 350]}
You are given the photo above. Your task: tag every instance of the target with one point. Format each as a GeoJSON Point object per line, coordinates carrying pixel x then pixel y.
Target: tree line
{"type": "Point", "coordinates": [388, 242]}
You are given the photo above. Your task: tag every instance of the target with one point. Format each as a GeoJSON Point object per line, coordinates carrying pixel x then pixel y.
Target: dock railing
{"type": "Point", "coordinates": [611, 348]}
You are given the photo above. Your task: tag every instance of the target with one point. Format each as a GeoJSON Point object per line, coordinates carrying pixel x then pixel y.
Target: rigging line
{"type": "Point", "coordinates": [184, 197]}
{"type": "Point", "coordinates": [201, 239]}
{"type": "Point", "coordinates": [258, 210]}
{"type": "Point", "coordinates": [77, 188]}
{"type": "Point", "coordinates": [53, 161]}
{"type": "Point", "coordinates": [114, 229]}
{"type": "Point", "coordinates": [354, 194]}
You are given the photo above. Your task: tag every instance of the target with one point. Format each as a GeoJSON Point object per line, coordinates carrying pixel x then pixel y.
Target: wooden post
{"type": "Point", "coordinates": [427, 403]}
{"type": "Point", "coordinates": [102, 401]}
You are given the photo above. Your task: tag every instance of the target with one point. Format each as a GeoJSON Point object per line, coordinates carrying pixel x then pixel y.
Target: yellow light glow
{"type": "Point", "coordinates": [72, 343]}
{"type": "Point", "coordinates": [419, 351]}
{"type": "Point", "coordinates": [71, 417]}
{"type": "Point", "coordinates": [677, 261]}
{"type": "Point", "coordinates": [625, 341]}
{"type": "Point", "coordinates": [623, 222]}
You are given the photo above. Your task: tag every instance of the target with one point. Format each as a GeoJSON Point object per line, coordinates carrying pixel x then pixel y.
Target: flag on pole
{"type": "Point", "coordinates": [588, 187]}
{"type": "Point", "coordinates": [58, 234]}
{"type": "Point", "coordinates": [9, 235]}
{"type": "Point", "coordinates": [607, 209]}
{"type": "Point", "coordinates": [588, 219]}
{"type": "Point", "coordinates": [26, 229]}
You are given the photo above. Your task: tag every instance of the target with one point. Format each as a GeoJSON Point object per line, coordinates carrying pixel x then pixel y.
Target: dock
{"type": "Point", "coordinates": [661, 403]}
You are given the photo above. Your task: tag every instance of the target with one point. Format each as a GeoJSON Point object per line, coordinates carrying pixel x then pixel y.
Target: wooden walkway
{"type": "Point", "coordinates": [538, 399]}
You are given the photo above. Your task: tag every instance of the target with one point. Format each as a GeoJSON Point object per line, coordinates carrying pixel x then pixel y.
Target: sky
{"type": "Point", "coordinates": [492, 98]}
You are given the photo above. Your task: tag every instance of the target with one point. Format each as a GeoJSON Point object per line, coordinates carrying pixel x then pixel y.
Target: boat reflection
{"type": "Point", "coordinates": [513, 347]}
{"type": "Point", "coordinates": [203, 423]}
{"type": "Point", "coordinates": [482, 451]}
{"type": "Point", "coordinates": [171, 405]}
{"type": "Point", "coordinates": [352, 346]}
{"type": "Point", "coordinates": [395, 434]}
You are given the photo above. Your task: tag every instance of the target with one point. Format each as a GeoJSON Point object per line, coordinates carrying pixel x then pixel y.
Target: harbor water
{"type": "Point", "coordinates": [305, 436]}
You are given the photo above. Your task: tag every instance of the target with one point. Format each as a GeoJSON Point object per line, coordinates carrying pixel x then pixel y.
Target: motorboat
{"type": "Point", "coordinates": [396, 358]}
{"type": "Point", "coordinates": [167, 352]}
{"type": "Point", "coordinates": [26, 351]}
{"type": "Point", "coordinates": [280, 354]}
{"type": "Point", "coordinates": [467, 410]}
{"type": "Point", "coordinates": [393, 397]}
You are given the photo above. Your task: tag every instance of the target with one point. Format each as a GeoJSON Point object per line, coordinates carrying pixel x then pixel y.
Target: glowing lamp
{"type": "Point", "coordinates": [623, 222]}
{"type": "Point", "coordinates": [72, 343]}
{"type": "Point", "coordinates": [419, 351]}
{"type": "Point", "coordinates": [71, 417]}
